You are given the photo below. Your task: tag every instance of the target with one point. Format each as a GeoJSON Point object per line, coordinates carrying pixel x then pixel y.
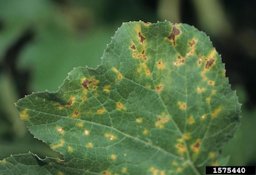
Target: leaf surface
{"type": "Point", "coordinates": [158, 104]}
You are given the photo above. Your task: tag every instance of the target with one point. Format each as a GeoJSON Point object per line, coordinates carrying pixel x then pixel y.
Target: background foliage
{"type": "Point", "coordinates": [42, 40]}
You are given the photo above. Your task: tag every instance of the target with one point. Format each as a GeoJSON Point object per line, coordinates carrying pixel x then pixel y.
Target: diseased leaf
{"type": "Point", "coordinates": [158, 104]}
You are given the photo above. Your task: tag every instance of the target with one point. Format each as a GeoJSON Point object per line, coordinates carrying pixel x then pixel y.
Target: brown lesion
{"type": "Point", "coordinates": [90, 83]}
{"type": "Point", "coordinates": [141, 37]}
{"type": "Point", "coordinates": [106, 172]}
{"type": "Point", "coordinates": [140, 55]}
{"type": "Point", "coordinates": [86, 83]}
{"type": "Point", "coordinates": [159, 88]}
{"type": "Point", "coordinates": [133, 47]}
{"type": "Point", "coordinates": [71, 101]}
{"type": "Point", "coordinates": [179, 61]}
{"type": "Point", "coordinates": [75, 114]}
{"type": "Point", "coordinates": [161, 121]}
{"type": "Point", "coordinates": [196, 146]}
{"type": "Point", "coordinates": [191, 47]}
{"type": "Point", "coordinates": [143, 55]}
{"type": "Point", "coordinates": [192, 43]}
{"type": "Point", "coordinates": [209, 63]}
{"type": "Point", "coordinates": [147, 24]}
{"type": "Point", "coordinates": [200, 60]}
{"type": "Point", "coordinates": [175, 32]}
{"type": "Point", "coordinates": [160, 64]}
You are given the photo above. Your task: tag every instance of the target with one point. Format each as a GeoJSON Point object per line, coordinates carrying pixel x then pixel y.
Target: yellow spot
{"type": "Point", "coordinates": [137, 55]}
{"type": "Point", "coordinates": [191, 120]}
{"type": "Point", "coordinates": [60, 173]}
{"type": "Point", "coordinates": [143, 68]}
{"type": "Point", "coordinates": [200, 90]}
{"type": "Point", "coordinates": [181, 149]}
{"type": "Point", "coordinates": [113, 157]}
{"type": "Point", "coordinates": [70, 149]}
{"type": "Point", "coordinates": [89, 145]}
{"type": "Point", "coordinates": [71, 101]}
{"type": "Point", "coordinates": [186, 136]}
{"type": "Point", "coordinates": [84, 95]}
{"type": "Point", "coordinates": [156, 171]}
{"type": "Point", "coordinates": [106, 172]}
{"type": "Point", "coordinates": [139, 120]}
{"type": "Point", "coordinates": [145, 131]}
{"type": "Point", "coordinates": [212, 155]}
{"type": "Point", "coordinates": [124, 170]}
{"type": "Point", "coordinates": [179, 170]}
{"type": "Point", "coordinates": [120, 106]}
{"type": "Point", "coordinates": [204, 77]}
{"type": "Point", "coordinates": [118, 74]}
{"type": "Point", "coordinates": [160, 65]}
{"type": "Point", "coordinates": [106, 89]}
{"type": "Point", "coordinates": [200, 61]}
{"type": "Point", "coordinates": [203, 117]}
{"type": "Point", "coordinates": [211, 83]}
{"type": "Point", "coordinates": [24, 115]}
{"type": "Point", "coordinates": [60, 130]}
{"type": "Point", "coordinates": [83, 79]}
{"type": "Point", "coordinates": [159, 88]}
{"type": "Point", "coordinates": [208, 100]}
{"type": "Point", "coordinates": [101, 111]}
{"type": "Point", "coordinates": [86, 132]}
{"type": "Point", "coordinates": [110, 136]}
{"type": "Point", "coordinates": [162, 120]}
{"type": "Point", "coordinates": [148, 72]}
{"type": "Point", "coordinates": [212, 53]}
{"type": "Point", "coordinates": [60, 107]}
{"type": "Point", "coordinates": [192, 45]}
{"type": "Point", "coordinates": [182, 105]}
{"type": "Point", "coordinates": [179, 61]}
{"type": "Point", "coordinates": [216, 112]}
{"type": "Point", "coordinates": [58, 145]}
{"type": "Point", "coordinates": [137, 28]}
{"type": "Point", "coordinates": [196, 146]}
{"type": "Point", "coordinates": [80, 124]}
{"type": "Point", "coordinates": [75, 114]}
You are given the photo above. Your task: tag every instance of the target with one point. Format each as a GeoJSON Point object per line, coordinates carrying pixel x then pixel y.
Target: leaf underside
{"type": "Point", "coordinates": [158, 104]}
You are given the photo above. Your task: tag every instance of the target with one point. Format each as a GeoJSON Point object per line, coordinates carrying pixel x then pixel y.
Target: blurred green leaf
{"type": "Point", "coordinates": [212, 17]}
{"type": "Point", "coordinates": [8, 97]}
{"type": "Point", "coordinates": [55, 52]}
{"type": "Point", "coordinates": [170, 10]}
{"type": "Point", "coordinates": [242, 146]}
{"type": "Point", "coordinates": [8, 35]}
{"type": "Point", "coordinates": [17, 16]}
{"type": "Point", "coordinates": [22, 164]}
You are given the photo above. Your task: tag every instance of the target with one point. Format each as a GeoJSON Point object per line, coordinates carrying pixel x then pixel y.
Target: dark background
{"type": "Point", "coordinates": [42, 40]}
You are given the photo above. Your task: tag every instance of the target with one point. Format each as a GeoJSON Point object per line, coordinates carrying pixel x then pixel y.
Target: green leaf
{"type": "Point", "coordinates": [158, 104]}
{"type": "Point", "coordinates": [21, 164]}
{"type": "Point", "coordinates": [56, 52]}
{"type": "Point", "coordinates": [31, 164]}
